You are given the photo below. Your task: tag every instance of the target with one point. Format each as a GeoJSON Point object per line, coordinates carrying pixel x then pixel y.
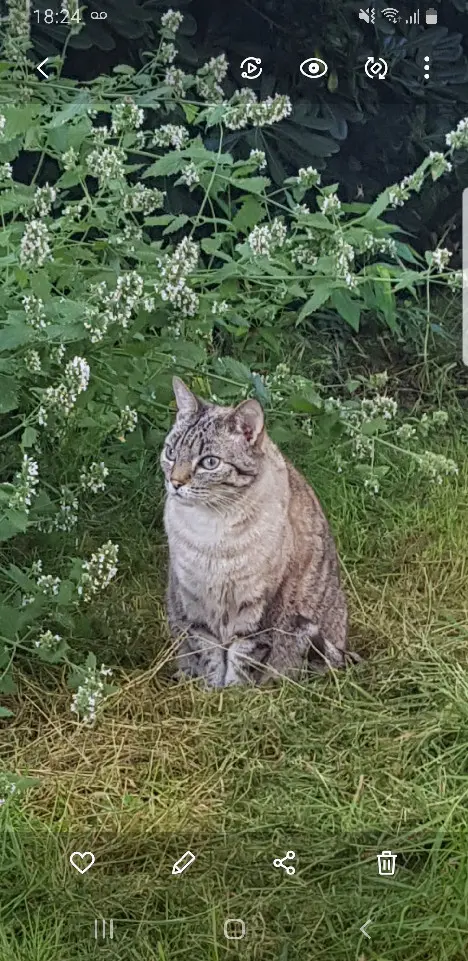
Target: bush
{"type": "Point", "coordinates": [135, 251]}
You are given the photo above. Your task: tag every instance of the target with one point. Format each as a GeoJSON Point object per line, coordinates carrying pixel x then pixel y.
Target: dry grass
{"type": "Point", "coordinates": [337, 769]}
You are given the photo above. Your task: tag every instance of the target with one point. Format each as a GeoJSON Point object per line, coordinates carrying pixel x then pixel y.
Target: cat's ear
{"type": "Point", "coordinates": [248, 418]}
{"type": "Point", "coordinates": [187, 403]}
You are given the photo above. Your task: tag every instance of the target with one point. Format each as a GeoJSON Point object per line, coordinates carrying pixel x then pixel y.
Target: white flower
{"type": "Point", "coordinates": [379, 406]}
{"type": "Point", "coordinates": [400, 193]}
{"type": "Point", "coordinates": [25, 484]}
{"type": "Point", "coordinates": [308, 177]}
{"type": "Point", "coordinates": [436, 466]}
{"type": "Point", "coordinates": [73, 211]}
{"type": "Point", "coordinates": [69, 159]}
{"type": "Point", "coordinates": [35, 311]}
{"type": "Point", "coordinates": [372, 485]}
{"type": "Point", "coordinates": [210, 76]}
{"type": "Point", "coordinates": [141, 198]}
{"type": "Point", "coordinates": [16, 32]}
{"type": "Point", "coordinates": [264, 239]}
{"type": "Point", "coordinates": [167, 52]}
{"type": "Point", "coordinates": [244, 109]}
{"type": "Point", "coordinates": [440, 258]}
{"type": "Point", "coordinates": [126, 116]}
{"type": "Point", "coordinates": [43, 199]}
{"type": "Point", "coordinates": [174, 271]}
{"type": "Point", "coordinates": [458, 139]}
{"type": "Point", "coordinates": [49, 585]}
{"type": "Point", "coordinates": [56, 354]}
{"type": "Point", "coordinates": [128, 237]}
{"type": "Point", "coordinates": [170, 135]}
{"type": "Point", "coordinates": [406, 432]}
{"type": "Point", "coordinates": [380, 245]}
{"type": "Point", "coordinates": [35, 247]}
{"type": "Point", "coordinates": [219, 308]}
{"type": "Point", "coordinates": [48, 642]}
{"type": "Point", "coordinates": [175, 78]}
{"type": "Point", "coordinates": [438, 164]}
{"type": "Point", "coordinates": [343, 255]}
{"type": "Point", "coordinates": [189, 175]}
{"type": "Point", "coordinates": [115, 306]}
{"type": "Point", "coordinates": [32, 361]}
{"type": "Point", "coordinates": [97, 573]}
{"type": "Point", "coordinates": [61, 399]}
{"type": "Point", "coordinates": [106, 163]}
{"type": "Point", "coordinates": [128, 421]}
{"type": "Point", "coordinates": [258, 157]}
{"type": "Point", "coordinates": [171, 20]}
{"type": "Point", "coordinates": [6, 170]}
{"type": "Point", "coordinates": [329, 204]}
{"type": "Point", "coordinates": [2, 124]}
{"type": "Point", "coordinates": [93, 478]}
{"type": "Point", "coordinates": [90, 693]}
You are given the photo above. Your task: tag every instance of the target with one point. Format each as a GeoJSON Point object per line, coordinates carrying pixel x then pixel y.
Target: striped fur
{"type": "Point", "coordinates": [254, 590]}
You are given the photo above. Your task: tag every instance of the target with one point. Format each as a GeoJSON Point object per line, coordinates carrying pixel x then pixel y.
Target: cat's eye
{"type": "Point", "coordinates": [169, 452]}
{"type": "Point", "coordinates": [209, 462]}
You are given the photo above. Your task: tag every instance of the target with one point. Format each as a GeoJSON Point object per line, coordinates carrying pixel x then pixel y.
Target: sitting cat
{"type": "Point", "coordinates": [254, 590]}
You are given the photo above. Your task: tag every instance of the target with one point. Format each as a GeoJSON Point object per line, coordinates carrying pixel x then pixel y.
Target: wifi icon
{"type": "Point", "coordinates": [391, 14]}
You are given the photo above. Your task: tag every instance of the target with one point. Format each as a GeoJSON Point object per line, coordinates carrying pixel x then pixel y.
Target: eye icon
{"type": "Point", "coordinates": [313, 68]}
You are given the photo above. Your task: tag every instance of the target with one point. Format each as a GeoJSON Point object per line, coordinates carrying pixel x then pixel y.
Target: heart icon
{"type": "Point", "coordinates": [80, 856]}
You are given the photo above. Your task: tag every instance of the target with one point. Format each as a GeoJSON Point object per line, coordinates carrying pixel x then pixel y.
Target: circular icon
{"type": "Point", "coordinates": [252, 67]}
{"type": "Point", "coordinates": [313, 68]}
{"type": "Point", "coordinates": [376, 68]}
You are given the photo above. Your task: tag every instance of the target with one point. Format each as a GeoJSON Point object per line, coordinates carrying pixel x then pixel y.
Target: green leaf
{"type": "Point", "coordinates": [319, 297]}
{"type": "Point", "coordinates": [16, 336]}
{"type": "Point", "coordinates": [347, 307]}
{"type": "Point", "coordinates": [12, 522]}
{"type": "Point", "coordinates": [234, 369]}
{"type": "Point", "coordinates": [249, 214]}
{"type": "Point", "coordinates": [384, 296]}
{"type": "Point", "coordinates": [7, 683]}
{"type": "Point", "coordinates": [320, 221]}
{"type": "Point", "coordinates": [176, 224]}
{"type": "Point", "coordinates": [252, 185]}
{"type": "Point", "coordinates": [18, 120]}
{"type": "Point", "coordinates": [4, 712]}
{"type": "Point", "coordinates": [78, 108]}
{"type": "Point", "coordinates": [378, 207]}
{"type": "Point", "coordinates": [8, 394]}
{"type": "Point", "coordinates": [9, 617]}
{"type": "Point", "coordinates": [169, 163]}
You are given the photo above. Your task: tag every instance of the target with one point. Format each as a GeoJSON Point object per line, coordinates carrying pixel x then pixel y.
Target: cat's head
{"type": "Point", "coordinates": [212, 453]}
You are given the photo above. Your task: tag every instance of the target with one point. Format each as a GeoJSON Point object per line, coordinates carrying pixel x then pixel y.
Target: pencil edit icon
{"type": "Point", "coordinates": [183, 863]}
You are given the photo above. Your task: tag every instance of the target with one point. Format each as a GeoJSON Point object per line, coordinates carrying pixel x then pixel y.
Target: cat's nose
{"type": "Point", "coordinates": [180, 475]}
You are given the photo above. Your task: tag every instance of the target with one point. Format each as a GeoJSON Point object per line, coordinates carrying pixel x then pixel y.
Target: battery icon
{"type": "Point", "coordinates": [431, 16]}
{"type": "Point", "coordinates": [183, 863]}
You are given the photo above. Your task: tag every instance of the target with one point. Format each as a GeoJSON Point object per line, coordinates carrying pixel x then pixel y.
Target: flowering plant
{"type": "Point", "coordinates": [108, 288]}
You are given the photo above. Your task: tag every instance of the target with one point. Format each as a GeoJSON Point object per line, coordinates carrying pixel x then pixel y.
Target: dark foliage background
{"type": "Point", "coordinates": [363, 133]}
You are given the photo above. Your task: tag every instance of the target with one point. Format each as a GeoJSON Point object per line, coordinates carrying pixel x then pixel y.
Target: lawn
{"type": "Point", "coordinates": [337, 769]}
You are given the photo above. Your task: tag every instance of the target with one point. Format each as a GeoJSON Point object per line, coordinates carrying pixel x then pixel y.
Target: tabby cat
{"type": "Point", "coordinates": [254, 591]}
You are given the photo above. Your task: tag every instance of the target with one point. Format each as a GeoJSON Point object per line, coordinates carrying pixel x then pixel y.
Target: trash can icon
{"type": "Point", "coordinates": [387, 864]}
{"type": "Point", "coordinates": [431, 15]}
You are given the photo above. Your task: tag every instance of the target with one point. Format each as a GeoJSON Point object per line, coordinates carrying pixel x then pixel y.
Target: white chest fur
{"type": "Point", "coordinates": [222, 568]}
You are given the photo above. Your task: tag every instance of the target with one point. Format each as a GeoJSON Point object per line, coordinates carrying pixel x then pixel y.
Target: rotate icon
{"type": "Point", "coordinates": [376, 68]}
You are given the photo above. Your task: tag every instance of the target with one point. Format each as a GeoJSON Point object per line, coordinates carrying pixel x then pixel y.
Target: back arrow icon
{"type": "Point", "coordinates": [40, 66]}
{"type": "Point", "coordinates": [363, 929]}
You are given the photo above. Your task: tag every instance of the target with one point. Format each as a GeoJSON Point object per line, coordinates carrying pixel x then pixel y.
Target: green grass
{"type": "Point", "coordinates": [338, 769]}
